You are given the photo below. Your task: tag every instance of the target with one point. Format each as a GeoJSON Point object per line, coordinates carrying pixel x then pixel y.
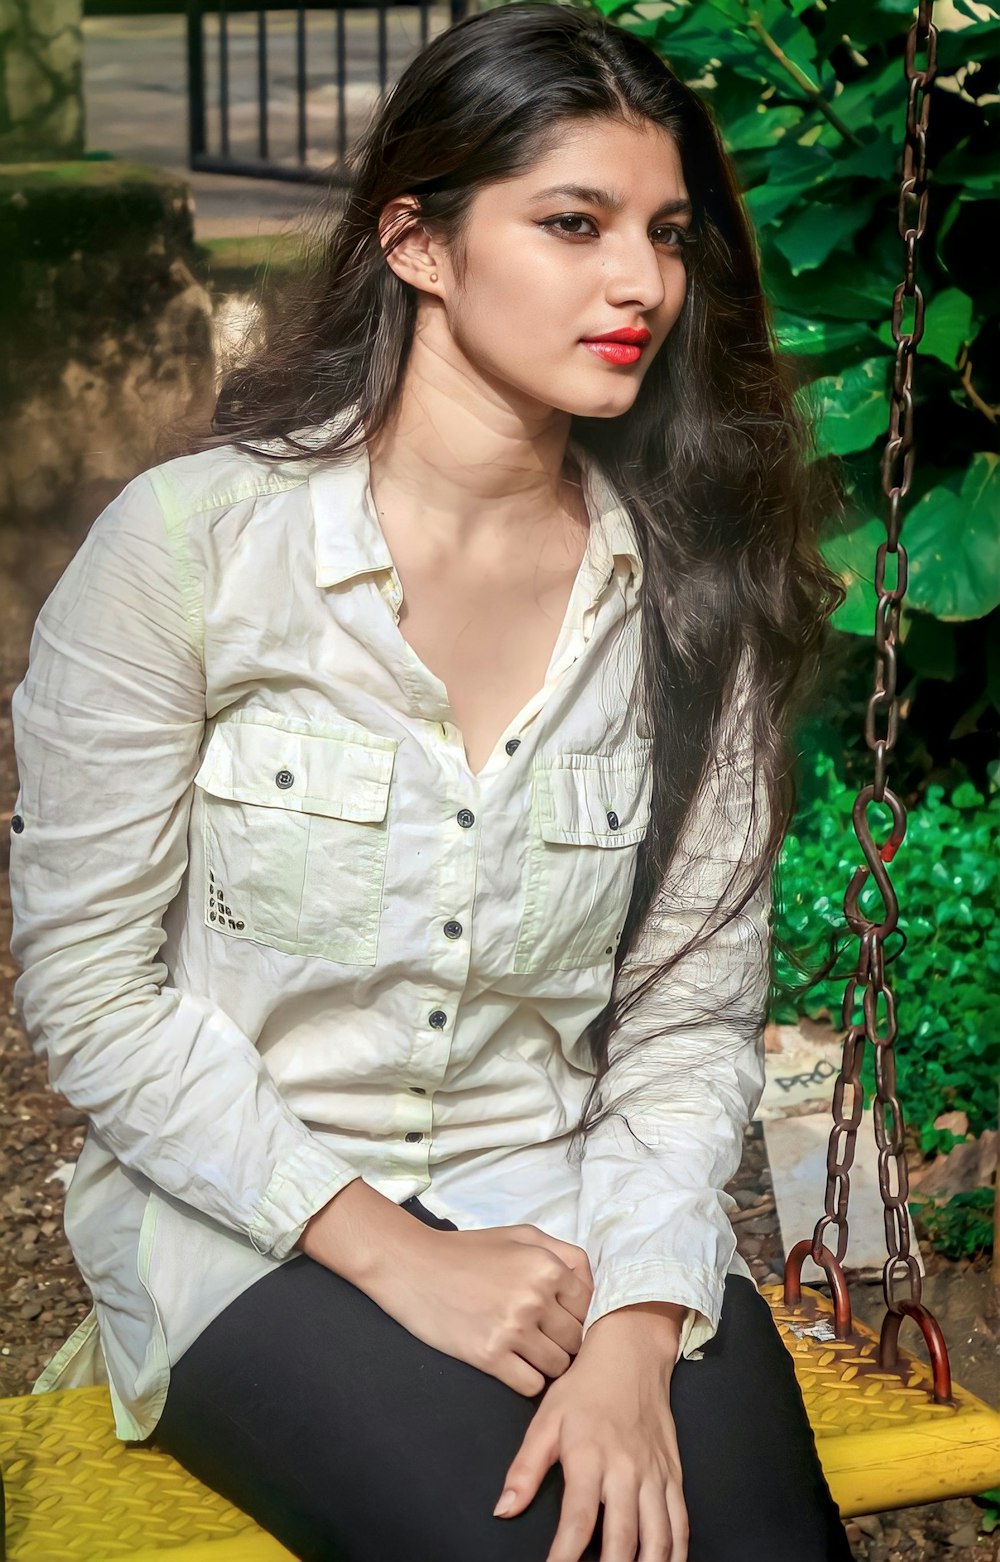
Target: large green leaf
{"type": "Point", "coordinates": [802, 169]}
{"type": "Point", "coordinates": [947, 324]}
{"type": "Point", "coordinates": [852, 556]}
{"type": "Point", "coordinates": [802, 334]}
{"type": "Point", "coordinates": [762, 126]}
{"type": "Point", "coordinates": [930, 644]}
{"type": "Point", "coordinates": [952, 542]}
{"type": "Point", "coordinates": [952, 538]}
{"type": "Point", "coordinates": [874, 97]}
{"type": "Point", "coordinates": [807, 238]}
{"type": "Point", "coordinates": [971, 170]}
{"type": "Point", "coordinates": [842, 289]}
{"type": "Point", "coordinates": [956, 47]}
{"type": "Point", "coordinates": [851, 407]}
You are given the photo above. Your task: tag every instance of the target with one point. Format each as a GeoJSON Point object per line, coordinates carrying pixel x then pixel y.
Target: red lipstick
{"type": "Point", "coordinates": [621, 346]}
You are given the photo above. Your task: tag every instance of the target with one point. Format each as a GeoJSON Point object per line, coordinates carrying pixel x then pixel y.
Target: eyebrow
{"type": "Point", "coordinates": [610, 200]}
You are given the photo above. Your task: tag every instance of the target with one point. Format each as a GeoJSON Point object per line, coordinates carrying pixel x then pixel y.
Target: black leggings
{"type": "Point", "coordinates": [309, 1407]}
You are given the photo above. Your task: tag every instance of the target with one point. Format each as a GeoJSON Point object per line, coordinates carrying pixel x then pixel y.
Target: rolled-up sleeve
{"type": "Point", "coordinates": [108, 722]}
{"type": "Point", "coordinates": [654, 1216]}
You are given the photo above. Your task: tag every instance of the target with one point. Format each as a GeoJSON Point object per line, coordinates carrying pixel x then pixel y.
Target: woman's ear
{"type": "Point", "coordinates": [415, 259]}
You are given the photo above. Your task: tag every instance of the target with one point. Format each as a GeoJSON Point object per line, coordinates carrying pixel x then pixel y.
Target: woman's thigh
{"type": "Point", "coordinates": [309, 1407]}
{"type": "Point", "coordinates": [352, 1441]}
{"type": "Point", "coordinates": [753, 1484]}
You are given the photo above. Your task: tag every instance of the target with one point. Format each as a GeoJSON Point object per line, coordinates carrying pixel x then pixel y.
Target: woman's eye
{"type": "Point", "coordinates": [568, 224]}
{"type": "Point", "coordinates": [570, 217]}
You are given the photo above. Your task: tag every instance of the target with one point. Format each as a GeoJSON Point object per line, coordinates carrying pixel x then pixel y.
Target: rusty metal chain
{"type": "Point", "coordinates": [869, 981]}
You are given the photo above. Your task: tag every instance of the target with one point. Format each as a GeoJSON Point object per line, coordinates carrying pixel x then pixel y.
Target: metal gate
{"type": "Point", "coordinates": [282, 91]}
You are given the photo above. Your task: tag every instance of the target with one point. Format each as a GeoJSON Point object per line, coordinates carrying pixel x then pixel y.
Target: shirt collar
{"type": "Point", "coordinates": [347, 548]}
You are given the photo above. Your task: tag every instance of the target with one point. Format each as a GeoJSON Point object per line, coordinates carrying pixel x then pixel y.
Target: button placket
{"type": "Point", "coordinates": [450, 910]}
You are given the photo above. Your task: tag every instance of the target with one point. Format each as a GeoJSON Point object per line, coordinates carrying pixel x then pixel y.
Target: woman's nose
{"type": "Point", "coordinates": [635, 275]}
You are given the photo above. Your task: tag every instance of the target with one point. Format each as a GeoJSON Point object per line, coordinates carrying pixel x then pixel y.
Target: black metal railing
{"type": "Point", "coordinates": [284, 95]}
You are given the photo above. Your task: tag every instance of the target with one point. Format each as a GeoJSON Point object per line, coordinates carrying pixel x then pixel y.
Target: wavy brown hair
{"type": "Point", "coordinates": [712, 459]}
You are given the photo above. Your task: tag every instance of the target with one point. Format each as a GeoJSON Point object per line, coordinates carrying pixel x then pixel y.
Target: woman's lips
{"type": "Point", "coordinates": [615, 352]}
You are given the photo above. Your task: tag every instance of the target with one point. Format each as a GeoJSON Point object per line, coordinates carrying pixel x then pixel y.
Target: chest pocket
{"type": "Point", "coordinates": [589, 814]}
{"type": "Point", "coordinates": [295, 835]}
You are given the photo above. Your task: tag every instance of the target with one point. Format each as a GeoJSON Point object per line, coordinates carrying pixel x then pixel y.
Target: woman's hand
{"type": "Point", "coordinates": [607, 1420]}
{"type": "Point", "coordinates": [510, 1300]}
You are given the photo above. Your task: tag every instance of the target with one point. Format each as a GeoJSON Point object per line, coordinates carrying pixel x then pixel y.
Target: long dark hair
{"type": "Point", "coordinates": [712, 459]}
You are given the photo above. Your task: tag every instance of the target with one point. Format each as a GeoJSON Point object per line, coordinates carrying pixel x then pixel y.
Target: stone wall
{"type": "Point", "coordinates": [41, 79]}
{"type": "Point", "coordinates": [105, 332]}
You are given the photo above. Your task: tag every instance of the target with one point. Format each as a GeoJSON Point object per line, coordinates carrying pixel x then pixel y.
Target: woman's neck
{"type": "Point", "coordinates": [473, 470]}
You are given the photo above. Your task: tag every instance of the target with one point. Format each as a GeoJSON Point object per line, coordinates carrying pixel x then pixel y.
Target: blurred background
{"type": "Point", "coordinates": [165, 166]}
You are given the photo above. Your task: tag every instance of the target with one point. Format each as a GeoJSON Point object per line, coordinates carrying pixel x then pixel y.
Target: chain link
{"type": "Point", "coordinates": [876, 1022]}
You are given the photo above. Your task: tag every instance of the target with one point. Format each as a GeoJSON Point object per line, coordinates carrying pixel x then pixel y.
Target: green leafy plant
{"type": "Point", "coordinates": [960, 1226]}
{"type": "Point", "coordinates": [810, 97]}
{"type": "Point", "coordinates": [946, 876]}
{"type": "Point", "coordinates": [991, 1518]}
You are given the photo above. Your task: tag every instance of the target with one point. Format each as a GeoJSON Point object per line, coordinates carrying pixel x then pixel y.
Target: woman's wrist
{"type": "Point", "coordinates": [359, 1233]}
{"type": "Point", "coordinates": [654, 1326]}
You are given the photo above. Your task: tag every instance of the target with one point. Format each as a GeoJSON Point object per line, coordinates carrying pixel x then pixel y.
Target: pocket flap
{"type": "Point", "coordinates": [595, 799]}
{"type": "Point", "coordinates": [344, 774]}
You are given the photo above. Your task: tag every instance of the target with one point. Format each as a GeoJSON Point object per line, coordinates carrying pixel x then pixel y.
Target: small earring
{"type": "Point", "coordinates": [433, 276]}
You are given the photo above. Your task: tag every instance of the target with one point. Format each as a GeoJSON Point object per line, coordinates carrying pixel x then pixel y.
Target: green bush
{"type": "Point", "coordinates": [946, 875]}
{"type": "Point", "coordinates": [811, 99]}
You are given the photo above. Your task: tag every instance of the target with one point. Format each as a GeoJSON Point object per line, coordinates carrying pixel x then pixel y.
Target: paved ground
{"type": "Point", "coordinates": [135, 81]}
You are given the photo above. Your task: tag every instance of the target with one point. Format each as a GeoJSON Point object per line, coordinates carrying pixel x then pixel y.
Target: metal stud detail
{"type": "Point", "coordinates": [219, 910]}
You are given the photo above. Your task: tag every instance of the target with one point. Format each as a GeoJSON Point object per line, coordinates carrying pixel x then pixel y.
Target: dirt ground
{"type": "Point", "coordinates": [44, 1296]}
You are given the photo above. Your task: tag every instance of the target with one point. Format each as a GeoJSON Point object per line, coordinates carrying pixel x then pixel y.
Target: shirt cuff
{"type": "Point", "coordinates": [300, 1187]}
{"type": "Point", "coordinates": [663, 1280]}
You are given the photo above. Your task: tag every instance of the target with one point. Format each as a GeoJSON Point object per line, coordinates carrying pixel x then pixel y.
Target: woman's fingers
{"type": "Point", "coordinates": [620, 1535]}
{"type": "Point", "coordinates": [562, 1327]}
{"type": "Point", "coordinates": [543, 1353]}
{"type": "Point", "coordinates": [578, 1516]}
{"type": "Point", "coordinates": [657, 1540]}
{"type": "Point", "coordinates": [678, 1519]}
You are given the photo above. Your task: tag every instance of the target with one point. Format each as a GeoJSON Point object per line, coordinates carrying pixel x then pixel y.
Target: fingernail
{"type": "Point", "coordinates": [508, 1497]}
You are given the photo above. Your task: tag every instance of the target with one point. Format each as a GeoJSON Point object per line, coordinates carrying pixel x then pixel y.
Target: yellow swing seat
{"type": "Point", "coordinates": [76, 1493]}
{"type": "Point", "coordinates": [882, 1441]}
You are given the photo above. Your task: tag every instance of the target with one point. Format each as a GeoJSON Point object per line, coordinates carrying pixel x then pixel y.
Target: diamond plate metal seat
{"type": "Point", "coordinates": [75, 1493]}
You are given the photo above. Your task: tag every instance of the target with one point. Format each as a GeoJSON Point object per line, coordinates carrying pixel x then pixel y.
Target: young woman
{"type": "Point", "coordinates": [401, 776]}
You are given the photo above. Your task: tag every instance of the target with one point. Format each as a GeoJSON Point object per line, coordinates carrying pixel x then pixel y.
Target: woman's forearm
{"type": "Point", "coordinates": [358, 1232]}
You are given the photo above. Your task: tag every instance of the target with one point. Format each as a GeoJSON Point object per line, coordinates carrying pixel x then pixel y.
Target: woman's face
{"type": "Point", "coordinates": [588, 241]}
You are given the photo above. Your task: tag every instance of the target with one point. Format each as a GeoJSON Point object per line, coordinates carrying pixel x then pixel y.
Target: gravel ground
{"type": "Point", "coordinates": [44, 1297]}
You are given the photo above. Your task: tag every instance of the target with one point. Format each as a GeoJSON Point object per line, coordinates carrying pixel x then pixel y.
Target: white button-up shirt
{"type": "Point", "coordinates": [275, 934]}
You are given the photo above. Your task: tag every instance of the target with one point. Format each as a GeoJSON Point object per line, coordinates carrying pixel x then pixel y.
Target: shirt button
{"type": "Point", "coordinates": [284, 779]}
{"type": "Point", "coordinates": [613, 820]}
{"type": "Point", "coordinates": [414, 1138]}
{"type": "Point", "coordinates": [17, 824]}
{"type": "Point", "coordinates": [465, 818]}
{"type": "Point", "coordinates": [512, 745]}
{"type": "Point", "coordinates": [453, 930]}
{"type": "Point", "coordinates": [437, 1018]}
{"type": "Point", "coordinates": [418, 1090]}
